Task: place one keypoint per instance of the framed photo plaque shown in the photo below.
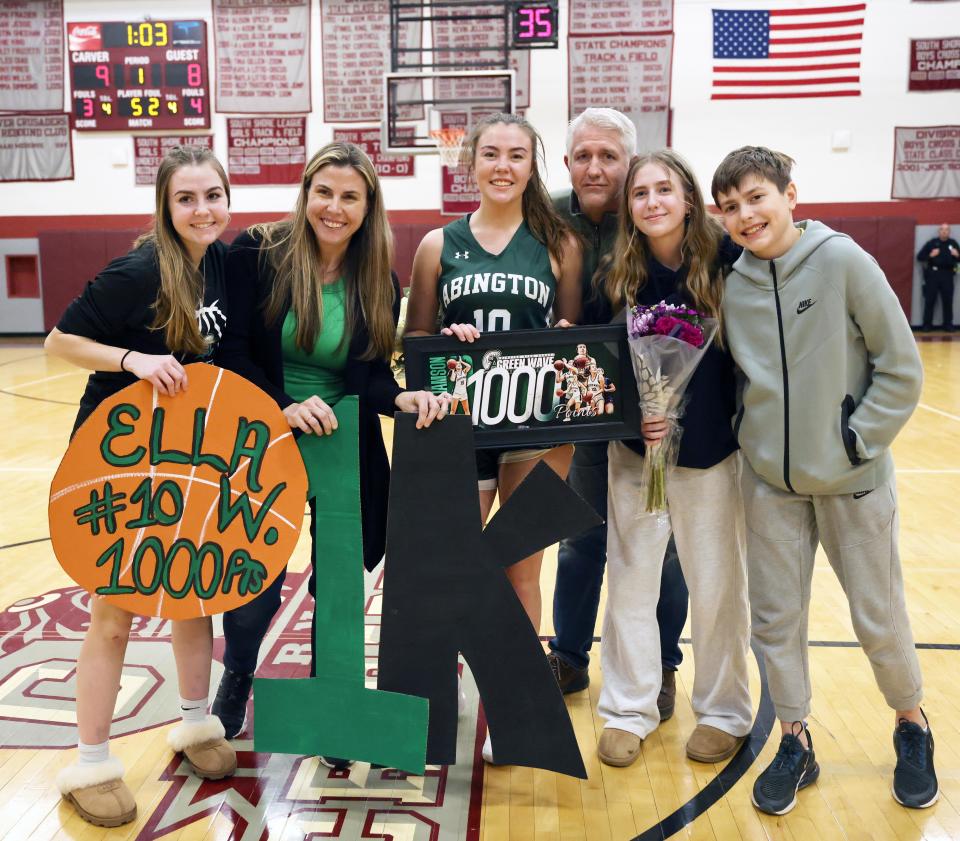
(531, 388)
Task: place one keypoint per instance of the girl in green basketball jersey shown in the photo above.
(510, 265)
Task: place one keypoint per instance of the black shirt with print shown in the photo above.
(117, 308)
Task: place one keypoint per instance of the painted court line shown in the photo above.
(938, 411)
(45, 380)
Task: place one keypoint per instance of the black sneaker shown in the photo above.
(569, 678)
(793, 768)
(230, 705)
(914, 780)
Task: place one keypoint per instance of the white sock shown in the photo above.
(193, 712)
(93, 754)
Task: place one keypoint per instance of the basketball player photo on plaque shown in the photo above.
(533, 387)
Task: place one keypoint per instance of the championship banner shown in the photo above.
(356, 53)
(368, 139)
(181, 506)
(449, 34)
(934, 64)
(31, 46)
(531, 387)
(926, 163)
(588, 17)
(262, 56)
(149, 151)
(266, 150)
(628, 72)
(35, 147)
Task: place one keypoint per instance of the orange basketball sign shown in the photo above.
(179, 506)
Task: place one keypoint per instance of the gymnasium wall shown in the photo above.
(849, 184)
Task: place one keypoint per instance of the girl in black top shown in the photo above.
(143, 317)
(313, 315)
(669, 248)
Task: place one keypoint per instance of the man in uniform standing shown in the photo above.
(939, 256)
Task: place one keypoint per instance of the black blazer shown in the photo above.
(252, 348)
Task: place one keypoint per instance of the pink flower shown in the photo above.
(665, 325)
(691, 334)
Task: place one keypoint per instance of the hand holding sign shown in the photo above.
(179, 506)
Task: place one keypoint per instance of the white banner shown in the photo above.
(262, 56)
(628, 72)
(591, 17)
(35, 147)
(356, 54)
(31, 49)
(926, 163)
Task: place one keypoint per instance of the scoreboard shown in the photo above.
(139, 75)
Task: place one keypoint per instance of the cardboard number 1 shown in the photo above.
(334, 714)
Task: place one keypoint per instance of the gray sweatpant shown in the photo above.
(859, 535)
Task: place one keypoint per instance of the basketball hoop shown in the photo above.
(449, 143)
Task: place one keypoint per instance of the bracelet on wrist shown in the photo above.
(124, 359)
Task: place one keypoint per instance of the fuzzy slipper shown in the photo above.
(202, 744)
(98, 792)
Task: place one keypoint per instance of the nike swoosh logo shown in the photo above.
(861, 494)
(802, 308)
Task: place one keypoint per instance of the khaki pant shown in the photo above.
(706, 517)
(859, 535)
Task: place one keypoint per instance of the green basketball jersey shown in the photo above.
(513, 290)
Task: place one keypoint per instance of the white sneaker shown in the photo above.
(487, 750)
(461, 697)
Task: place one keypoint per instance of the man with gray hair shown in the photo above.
(600, 145)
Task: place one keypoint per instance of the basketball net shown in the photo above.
(449, 143)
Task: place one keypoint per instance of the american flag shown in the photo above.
(787, 53)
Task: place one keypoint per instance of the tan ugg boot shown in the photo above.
(209, 755)
(98, 792)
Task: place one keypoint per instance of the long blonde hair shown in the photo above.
(627, 271)
(544, 222)
(181, 285)
(292, 251)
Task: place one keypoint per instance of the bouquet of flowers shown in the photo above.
(668, 341)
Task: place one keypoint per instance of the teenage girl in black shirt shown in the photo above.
(143, 317)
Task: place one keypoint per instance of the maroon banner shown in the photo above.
(459, 193)
(35, 147)
(262, 56)
(31, 55)
(368, 139)
(926, 162)
(139, 74)
(356, 53)
(934, 64)
(592, 17)
(148, 151)
(628, 72)
(266, 150)
(451, 35)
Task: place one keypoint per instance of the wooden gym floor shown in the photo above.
(662, 795)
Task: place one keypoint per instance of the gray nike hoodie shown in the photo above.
(828, 367)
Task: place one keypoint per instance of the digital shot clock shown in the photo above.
(534, 24)
(134, 75)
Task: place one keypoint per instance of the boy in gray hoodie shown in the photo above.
(829, 374)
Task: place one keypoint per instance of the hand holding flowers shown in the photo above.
(668, 342)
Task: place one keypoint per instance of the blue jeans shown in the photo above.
(580, 564)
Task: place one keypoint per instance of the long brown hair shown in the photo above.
(181, 285)
(544, 222)
(627, 269)
(292, 251)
